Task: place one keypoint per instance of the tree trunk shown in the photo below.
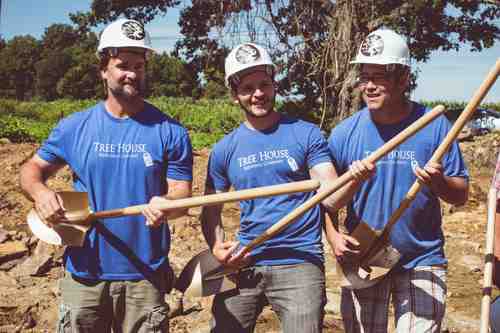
(339, 96)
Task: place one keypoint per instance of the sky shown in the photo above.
(449, 76)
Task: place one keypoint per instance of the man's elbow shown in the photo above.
(462, 199)
(462, 196)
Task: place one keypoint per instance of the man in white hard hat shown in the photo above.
(417, 284)
(122, 151)
(268, 148)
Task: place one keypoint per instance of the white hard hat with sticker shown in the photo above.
(124, 33)
(245, 56)
(383, 47)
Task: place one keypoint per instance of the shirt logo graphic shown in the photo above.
(133, 30)
(292, 163)
(373, 45)
(247, 54)
(148, 160)
(414, 165)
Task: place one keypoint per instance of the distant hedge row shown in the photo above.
(206, 120)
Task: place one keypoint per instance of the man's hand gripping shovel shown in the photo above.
(376, 256)
(205, 276)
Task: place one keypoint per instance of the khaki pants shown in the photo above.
(117, 306)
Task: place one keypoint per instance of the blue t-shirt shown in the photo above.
(119, 163)
(417, 235)
(247, 158)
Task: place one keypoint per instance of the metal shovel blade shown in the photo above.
(72, 231)
(366, 236)
(41, 230)
(76, 206)
(355, 276)
(58, 234)
(197, 279)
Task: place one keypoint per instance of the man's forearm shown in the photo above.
(341, 197)
(211, 225)
(32, 180)
(178, 190)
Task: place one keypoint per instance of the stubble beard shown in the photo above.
(120, 91)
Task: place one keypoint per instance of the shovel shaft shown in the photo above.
(489, 260)
(467, 112)
(342, 180)
(436, 157)
(218, 198)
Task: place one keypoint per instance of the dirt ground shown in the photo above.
(29, 303)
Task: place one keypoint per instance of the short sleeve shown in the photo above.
(335, 147)
(217, 177)
(453, 162)
(317, 148)
(180, 158)
(53, 150)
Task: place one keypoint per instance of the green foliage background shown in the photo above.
(207, 120)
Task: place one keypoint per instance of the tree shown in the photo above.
(169, 76)
(18, 59)
(49, 70)
(313, 41)
(81, 81)
(67, 64)
(58, 37)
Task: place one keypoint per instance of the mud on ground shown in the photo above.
(28, 278)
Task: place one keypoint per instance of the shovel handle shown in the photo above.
(436, 157)
(342, 180)
(469, 110)
(489, 260)
(218, 198)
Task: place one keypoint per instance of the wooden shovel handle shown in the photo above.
(218, 198)
(489, 260)
(342, 180)
(438, 155)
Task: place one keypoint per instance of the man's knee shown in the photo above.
(80, 319)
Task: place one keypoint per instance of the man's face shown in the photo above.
(380, 90)
(125, 75)
(255, 94)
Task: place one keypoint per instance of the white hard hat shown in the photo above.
(245, 56)
(124, 33)
(383, 47)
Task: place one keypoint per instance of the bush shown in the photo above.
(206, 120)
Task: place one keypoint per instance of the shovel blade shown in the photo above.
(354, 276)
(76, 205)
(196, 279)
(59, 234)
(366, 236)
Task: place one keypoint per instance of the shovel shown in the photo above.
(78, 216)
(203, 276)
(489, 261)
(376, 256)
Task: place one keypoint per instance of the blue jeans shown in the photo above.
(295, 292)
(122, 306)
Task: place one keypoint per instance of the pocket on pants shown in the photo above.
(64, 324)
(158, 319)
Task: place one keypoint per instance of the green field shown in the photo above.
(206, 120)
